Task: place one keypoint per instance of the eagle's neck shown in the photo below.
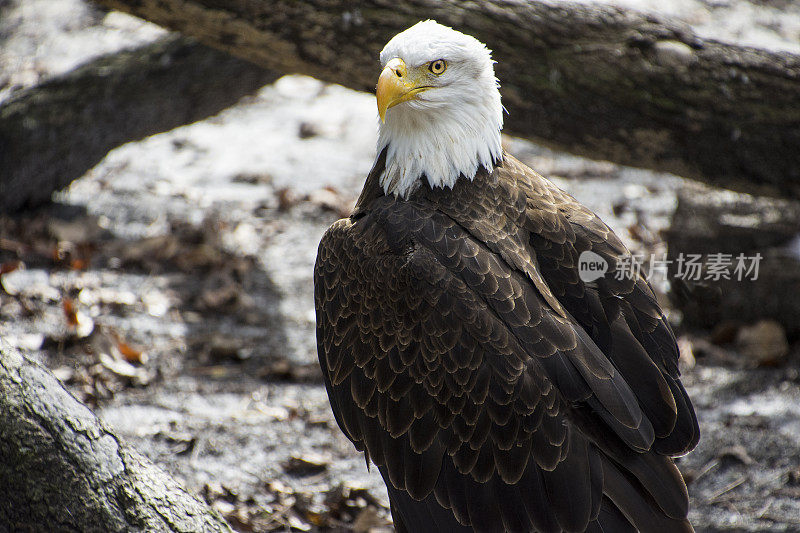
(440, 143)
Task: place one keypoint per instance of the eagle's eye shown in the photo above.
(438, 66)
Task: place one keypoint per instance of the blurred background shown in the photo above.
(170, 285)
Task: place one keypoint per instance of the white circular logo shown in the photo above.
(591, 266)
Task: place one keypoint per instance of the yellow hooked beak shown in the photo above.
(395, 87)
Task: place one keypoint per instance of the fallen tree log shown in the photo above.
(767, 230)
(593, 80)
(62, 470)
(53, 133)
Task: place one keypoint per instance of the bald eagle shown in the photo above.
(492, 387)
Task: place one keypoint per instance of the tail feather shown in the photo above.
(637, 504)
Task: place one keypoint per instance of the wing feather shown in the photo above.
(491, 386)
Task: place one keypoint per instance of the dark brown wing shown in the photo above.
(620, 313)
(471, 390)
(540, 231)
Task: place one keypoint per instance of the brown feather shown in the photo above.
(493, 388)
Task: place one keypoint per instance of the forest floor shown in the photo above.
(170, 288)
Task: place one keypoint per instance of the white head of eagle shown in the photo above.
(440, 109)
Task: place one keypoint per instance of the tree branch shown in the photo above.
(53, 133)
(62, 470)
(594, 80)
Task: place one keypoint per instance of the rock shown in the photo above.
(369, 520)
(735, 454)
(307, 130)
(720, 227)
(81, 230)
(686, 359)
(330, 199)
(763, 342)
(287, 198)
(306, 465)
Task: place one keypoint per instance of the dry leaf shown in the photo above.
(286, 198)
(130, 354)
(9, 266)
(70, 313)
(78, 264)
(78, 322)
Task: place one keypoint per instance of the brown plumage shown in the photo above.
(493, 388)
(490, 385)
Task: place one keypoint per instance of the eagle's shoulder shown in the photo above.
(551, 212)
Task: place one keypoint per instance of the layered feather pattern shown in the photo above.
(493, 389)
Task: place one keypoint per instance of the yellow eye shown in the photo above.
(438, 66)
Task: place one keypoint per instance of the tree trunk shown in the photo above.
(53, 133)
(594, 80)
(62, 470)
(719, 222)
